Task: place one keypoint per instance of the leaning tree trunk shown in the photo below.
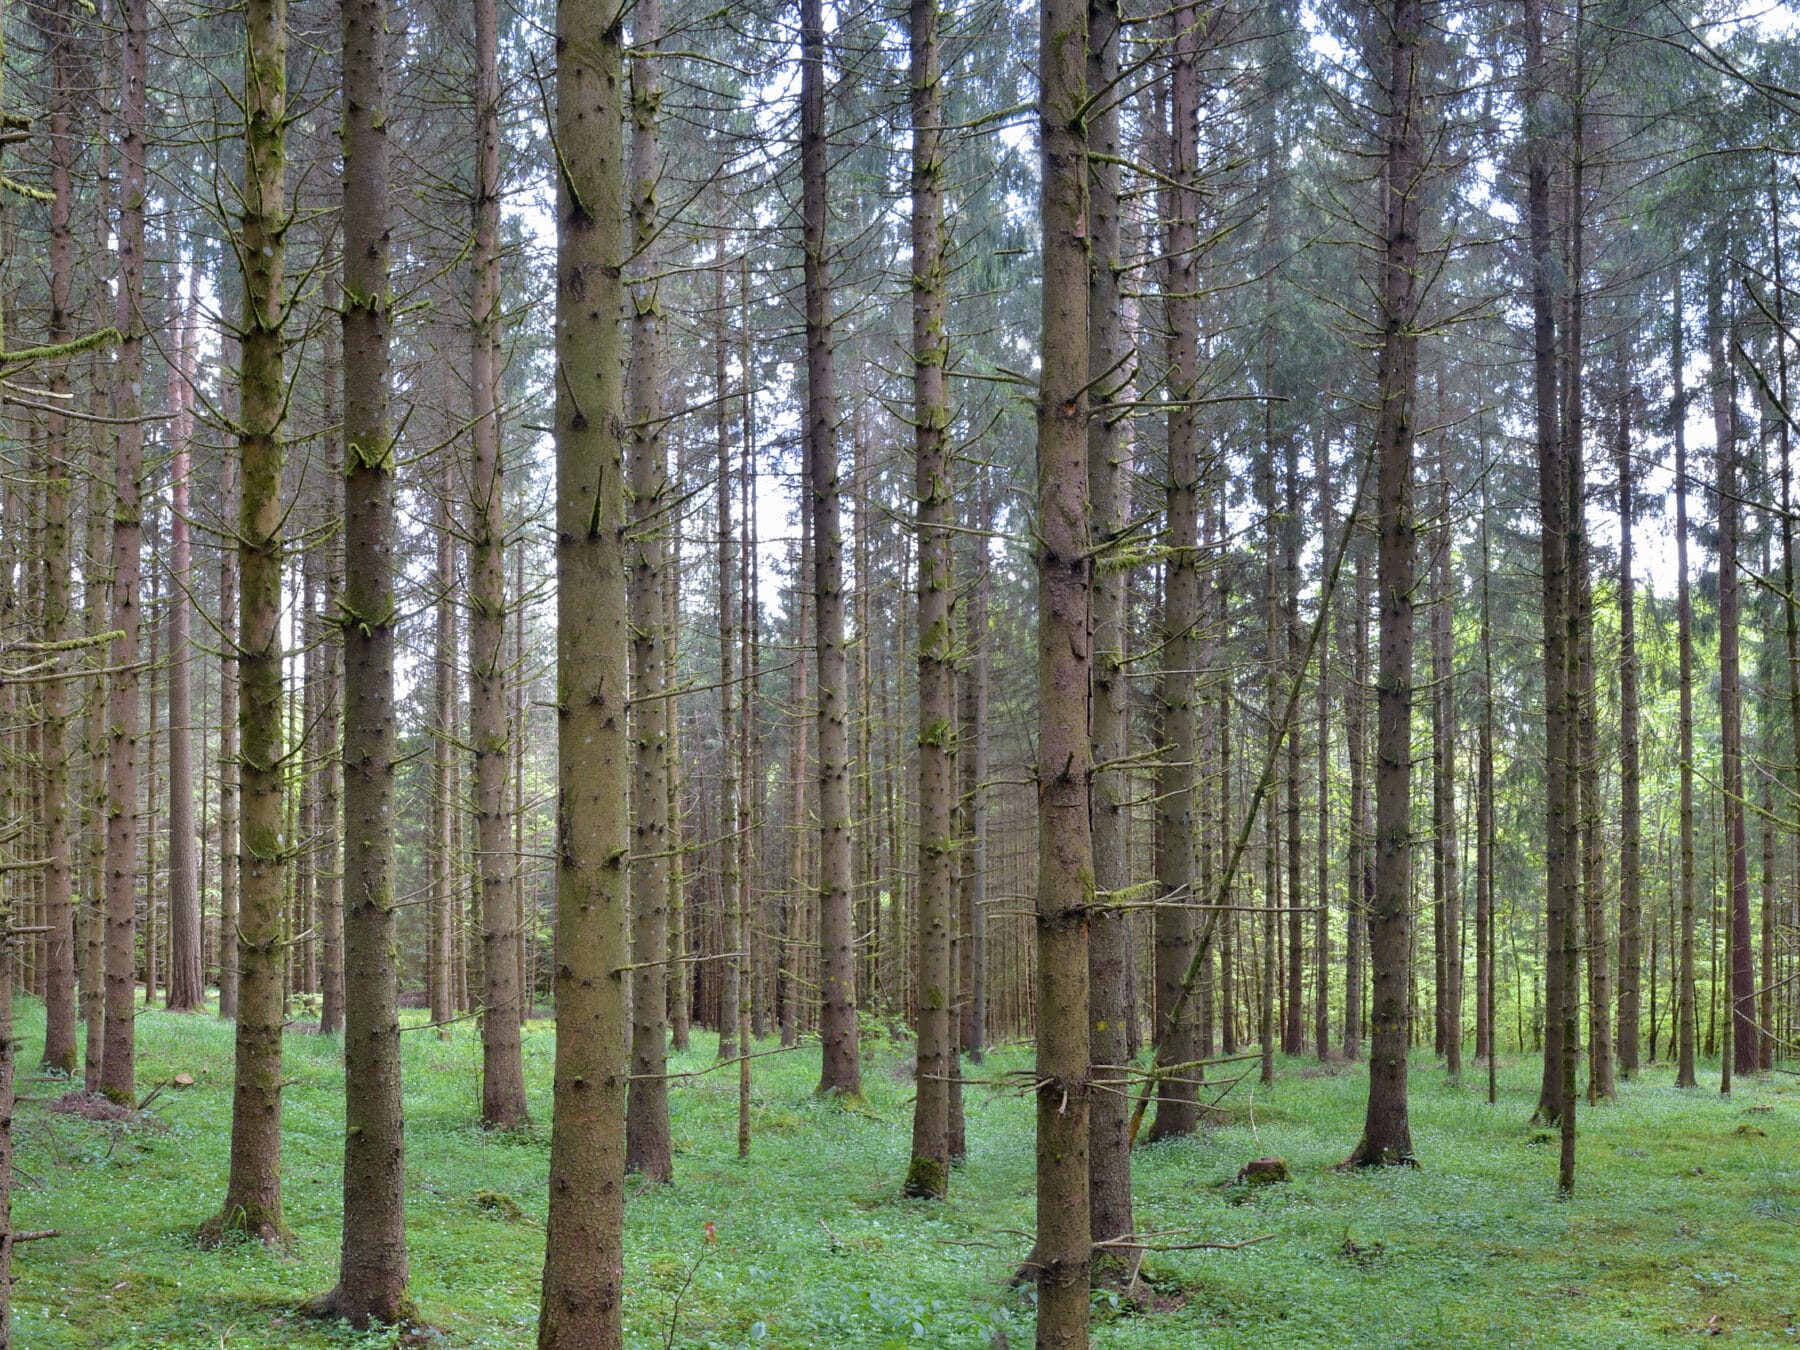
(372, 1271)
(648, 1149)
(118, 1071)
(584, 1271)
(1387, 1131)
(841, 1064)
(1065, 880)
(502, 1063)
(929, 1172)
(254, 953)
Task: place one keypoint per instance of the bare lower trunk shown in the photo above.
(584, 1238)
(372, 1272)
(118, 1066)
(1065, 885)
(841, 1068)
(648, 1150)
(255, 952)
(1387, 1131)
(186, 975)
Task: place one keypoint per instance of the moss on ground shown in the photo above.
(1682, 1226)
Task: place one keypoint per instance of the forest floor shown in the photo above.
(1683, 1225)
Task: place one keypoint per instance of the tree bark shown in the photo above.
(1631, 914)
(372, 1272)
(928, 1174)
(841, 1066)
(502, 1062)
(253, 1186)
(584, 1238)
(60, 1054)
(1065, 881)
(1684, 610)
(186, 975)
(118, 1065)
(648, 1148)
(1387, 1132)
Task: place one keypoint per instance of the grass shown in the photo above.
(1681, 1227)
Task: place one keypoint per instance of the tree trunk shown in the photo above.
(60, 1055)
(1631, 914)
(1387, 1132)
(502, 1063)
(372, 1273)
(1176, 1094)
(1110, 952)
(973, 741)
(584, 1237)
(118, 1064)
(937, 1061)
(329, 874)
(648, 1149)
(186, 974)
(1686, 1012)
(1724, 411)
(1065, 881)
(841, 1067)
(256, 954)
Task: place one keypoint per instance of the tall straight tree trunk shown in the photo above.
(937, 1061)
(584, 1271)
(1724, 412)
(372, 1271)
(187, 975)
(1553, 505)
(502, 1062)
(1790, 608)
(97, 596)
(1443, 652)
(1110, 952)
(973, 743)
(1176, 1094)
(1484, 810)
(60, 1054)
(329, 872)
(440, 961)
(1358, 885)
(841, 1063)
(1293, 1034)
(1685, 1015)
(795, 889)
(1387, 1131)
(254, 950)
(648, 1150)
(1631, 914)
(118, 1070)
(1065, 876)
(731, 965)
(1322, 898)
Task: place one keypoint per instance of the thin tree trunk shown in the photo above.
(186, 974)
(502, 1062)
(441, 959)
(841, 1066)
(60, 1053)
(1685, 1002)
(1109, 934)
(329, 871)
(1631, 913)
(928, 1174)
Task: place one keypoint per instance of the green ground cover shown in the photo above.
(1684, 1225)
